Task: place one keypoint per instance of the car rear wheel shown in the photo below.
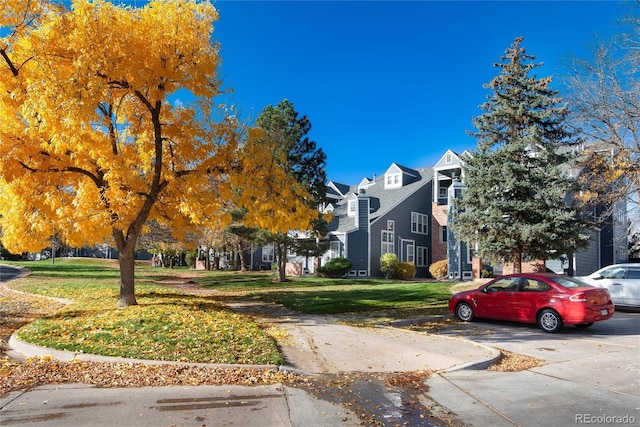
(583, 325)
(464, 312)
(550, 321)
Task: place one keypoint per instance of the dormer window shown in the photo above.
(393, 180)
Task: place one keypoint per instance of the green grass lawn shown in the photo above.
(341, 298)
(315, 295)
(169, 325)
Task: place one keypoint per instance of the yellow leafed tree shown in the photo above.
(91, 147)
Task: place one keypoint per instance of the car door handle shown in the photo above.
(616, 284)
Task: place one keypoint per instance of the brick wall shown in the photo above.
(439, 218)
(527, 267)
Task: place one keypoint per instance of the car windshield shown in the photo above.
(569, 282)
(613, 273)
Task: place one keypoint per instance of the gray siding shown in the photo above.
(358, 246)
(588, 261)
(420, 202)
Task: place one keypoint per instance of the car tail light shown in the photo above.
(581, 297)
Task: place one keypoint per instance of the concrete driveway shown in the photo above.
(590, 376)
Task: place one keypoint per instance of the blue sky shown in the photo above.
(400, 81)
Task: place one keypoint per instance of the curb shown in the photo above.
(476, 365)
(21, 350)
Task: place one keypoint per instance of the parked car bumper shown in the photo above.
(584, 314)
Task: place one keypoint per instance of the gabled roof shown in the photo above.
(408, 176)
(389, 198)
(365, 182)
(395, 168)
(454, 162)
(337, 188)
(381, 199)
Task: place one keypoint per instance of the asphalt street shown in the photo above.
(590, 376)
(9, 273)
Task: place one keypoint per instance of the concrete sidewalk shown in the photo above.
(318, 345)
(83, 405)
(315, 345)
(596, 382)
(325, 344)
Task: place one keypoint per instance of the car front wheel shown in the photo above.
(464, 312)
(550, 321)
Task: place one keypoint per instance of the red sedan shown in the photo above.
(550, 300)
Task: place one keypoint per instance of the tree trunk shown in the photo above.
(126, 260)
(243, 263)
(517, 262)
(571, 269)
(281, 253)
(207, 259)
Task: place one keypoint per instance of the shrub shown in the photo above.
(190, 258)
(337, 267)
(439, 269)
(405, 271)
(388, 264)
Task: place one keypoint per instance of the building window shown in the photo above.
(387, 242)
(390, 225)
(334, 250)
(267, 253)
(443, 191)
(352, 207)
(448, 158)
(419, 223)
(422, 256)
(393, 180)
(410, 255)
(443, 234)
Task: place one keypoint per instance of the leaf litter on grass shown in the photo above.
(45, 370)
(18, 309)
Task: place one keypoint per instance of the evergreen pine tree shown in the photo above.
(518, 205)
(287, 133)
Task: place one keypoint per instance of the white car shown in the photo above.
(622, 281)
